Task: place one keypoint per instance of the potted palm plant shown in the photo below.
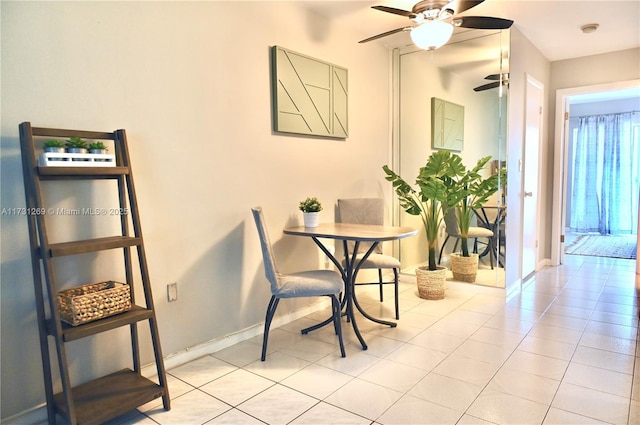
(467, 190)
(428, 201)
(310, 208)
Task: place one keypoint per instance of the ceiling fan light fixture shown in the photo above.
(431, 34)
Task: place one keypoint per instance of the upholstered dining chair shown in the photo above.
(453, 231)
(370, 211)
(310, 283)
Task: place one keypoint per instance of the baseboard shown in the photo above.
(218, 344)
(35, 416)
(544, 263)
(38, 415)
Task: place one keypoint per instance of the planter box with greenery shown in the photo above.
(73, 153)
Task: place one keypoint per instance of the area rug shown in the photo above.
(622, 246)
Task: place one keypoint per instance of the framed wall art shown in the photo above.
(310, 96)
(447, 125)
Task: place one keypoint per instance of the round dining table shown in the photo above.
(359, 234)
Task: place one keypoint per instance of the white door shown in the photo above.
(530, 182)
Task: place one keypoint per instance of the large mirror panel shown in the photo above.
(451, 73)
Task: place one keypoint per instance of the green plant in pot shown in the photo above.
(76, 145)
(310, 208)
(53, 145)
(427, 200)
(467, 190)
(97, 147)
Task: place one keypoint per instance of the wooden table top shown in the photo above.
(353, 232)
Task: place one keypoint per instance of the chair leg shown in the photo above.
(335, 304)
(271, 310)
(442, 249)
(395, 279)
(380, 280)
(492, 245)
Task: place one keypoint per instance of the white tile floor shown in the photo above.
(564, 351)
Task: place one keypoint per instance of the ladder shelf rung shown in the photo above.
(92, 245)
(71, 333)
(105, 398)
(81, 173)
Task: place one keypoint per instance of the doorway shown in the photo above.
(564, 100)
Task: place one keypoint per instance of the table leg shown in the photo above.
(350, 261)
(349, 273)
(353, 280)
(347, 302)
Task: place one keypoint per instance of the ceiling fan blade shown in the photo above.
(491, 85)
(487, 86)
(496, 77)
(461, 5)
(483, 22)
(395, 11)
(384, 34)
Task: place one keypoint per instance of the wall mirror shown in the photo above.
(470, 71)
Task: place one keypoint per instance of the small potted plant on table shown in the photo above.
(310, 208)
(428, 202)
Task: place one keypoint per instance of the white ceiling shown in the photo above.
(552, 26)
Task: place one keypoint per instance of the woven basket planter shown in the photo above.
(464, 269)
(94, 301)
(431, 282)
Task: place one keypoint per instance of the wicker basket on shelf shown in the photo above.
(93, 301)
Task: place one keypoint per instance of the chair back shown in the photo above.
(451, 223)
(362, 211)
(270, 268)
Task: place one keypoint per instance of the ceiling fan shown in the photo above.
(434, 20)
(498, 80)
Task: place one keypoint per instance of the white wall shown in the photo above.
(525, 60)
(189, 81)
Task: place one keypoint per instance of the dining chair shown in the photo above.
(370, 211)
(453, 231)
(309, 283)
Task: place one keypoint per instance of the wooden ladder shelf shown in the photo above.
(108, 396)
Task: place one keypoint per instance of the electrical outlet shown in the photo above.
(172, 291)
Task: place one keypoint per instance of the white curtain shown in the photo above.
(605, 185)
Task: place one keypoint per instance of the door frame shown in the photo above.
(563, 97)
